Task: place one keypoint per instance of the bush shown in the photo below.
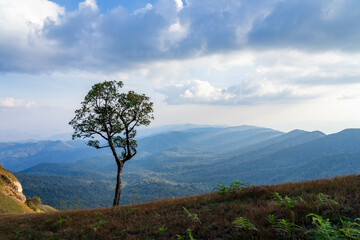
(33, 203)
(234, 186)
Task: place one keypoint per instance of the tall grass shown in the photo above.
(221, 216)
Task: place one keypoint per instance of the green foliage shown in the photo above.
(179, 237)
(324, 229)
(17, 234)
(284, 202)
(98, 224)
(234, 186)
(193, 216)
(60, 221)
(276, 196)
(189, 232)
(287, 227)
(244, 223)
(112, 115)
(162, 229)
(33, 203)
(351, 229)
(221, 188)
(290, 202)
(271, 218)
(325, 200)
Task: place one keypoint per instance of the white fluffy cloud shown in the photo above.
(10, 102)
(22, 47)
(248, 92)
(40, 36)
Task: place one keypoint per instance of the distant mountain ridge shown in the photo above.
(195, 159)
(19, 156)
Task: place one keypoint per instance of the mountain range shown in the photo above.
(179, 163)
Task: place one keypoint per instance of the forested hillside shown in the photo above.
(180, 163)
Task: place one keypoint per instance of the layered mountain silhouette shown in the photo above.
(183, 162)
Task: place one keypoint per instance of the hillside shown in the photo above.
(11, 198)
(251, 213)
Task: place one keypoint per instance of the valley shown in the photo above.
(179, 163)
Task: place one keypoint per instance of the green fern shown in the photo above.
(287, 227)
(324, 229)
(271, 218)
(244, 223)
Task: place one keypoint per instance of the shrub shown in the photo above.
(33, 203)
(242, 222)
(234, 186)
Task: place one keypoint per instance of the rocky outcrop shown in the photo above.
(10, 186)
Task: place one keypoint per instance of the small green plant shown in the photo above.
(162, 229)
(325, 200)
(234, 186)
(17, 234)
(351, 229)
(284, 201)
(189, 232)
(271, 218)
(324, 228)
(221, 188)
(179, 237)
(277, 197)
(59, 222)
(244, 223)
(193, 216)
(98, 224)
(290, 202)
(287, 227)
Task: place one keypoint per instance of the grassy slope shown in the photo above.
(216, 213)
(9, 204)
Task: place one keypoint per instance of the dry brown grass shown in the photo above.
(216, 213)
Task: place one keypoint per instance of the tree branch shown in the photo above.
(98, 147)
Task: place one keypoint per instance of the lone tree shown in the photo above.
(112, 115)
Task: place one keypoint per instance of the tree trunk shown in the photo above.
(118, 184)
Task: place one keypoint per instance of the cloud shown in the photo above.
(88, 4)
(10, 102)
(309, 25)
(86, 39)
(246, 93)
(22, 48)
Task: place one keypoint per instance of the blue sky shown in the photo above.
(280, 64)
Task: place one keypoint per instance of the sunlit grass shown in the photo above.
(207, 216)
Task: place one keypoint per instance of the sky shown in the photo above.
(286, 65)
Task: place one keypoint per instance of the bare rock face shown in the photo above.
(10, 185)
